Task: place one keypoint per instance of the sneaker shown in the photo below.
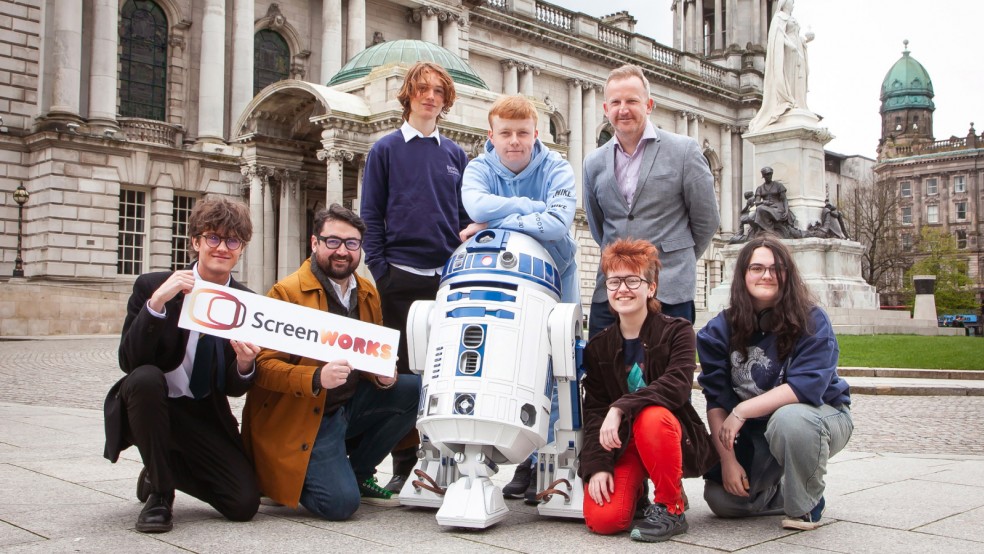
(395, 484)
(529, 497)
(520, 481)
(659, 525)
(374, 495)
(806, 522)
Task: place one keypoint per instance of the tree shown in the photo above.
(937, 254)
(873, 212)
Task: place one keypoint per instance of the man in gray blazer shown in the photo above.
(648, 184)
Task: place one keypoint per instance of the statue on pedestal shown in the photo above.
(786, 68)
(771, 213)
(831, 224)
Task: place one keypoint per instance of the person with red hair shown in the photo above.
(638, 420)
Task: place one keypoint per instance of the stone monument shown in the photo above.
(788, 143)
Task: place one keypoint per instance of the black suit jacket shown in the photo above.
(149, 340)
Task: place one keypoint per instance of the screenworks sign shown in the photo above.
(235, 314)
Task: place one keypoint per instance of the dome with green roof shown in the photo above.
(907, 85)
(407, 52)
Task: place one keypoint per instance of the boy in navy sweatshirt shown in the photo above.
(411, 203)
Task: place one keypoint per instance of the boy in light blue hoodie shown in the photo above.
(520, 185)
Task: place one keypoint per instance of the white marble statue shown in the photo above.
(786, 69)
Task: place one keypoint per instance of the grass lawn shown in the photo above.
(912, 351)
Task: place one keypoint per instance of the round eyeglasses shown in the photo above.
(213, 241)
(758, 270)
(632, 282)
(335, 242)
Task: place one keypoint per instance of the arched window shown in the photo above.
(143, 61)
(271, 59)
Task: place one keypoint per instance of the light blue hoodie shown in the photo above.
(539, 202)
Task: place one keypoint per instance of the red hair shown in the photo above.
(514, 107)
(639, 256)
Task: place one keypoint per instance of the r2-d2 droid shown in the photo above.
(489, 350)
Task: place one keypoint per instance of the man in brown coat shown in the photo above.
(301, 413)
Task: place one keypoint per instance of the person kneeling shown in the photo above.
(301, 413)
(638, 419)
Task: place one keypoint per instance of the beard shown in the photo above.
(338, 268)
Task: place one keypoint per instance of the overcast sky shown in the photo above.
(857, 42)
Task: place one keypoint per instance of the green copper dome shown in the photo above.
(407, 52)
(907, 85)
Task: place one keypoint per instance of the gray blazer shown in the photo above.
(674, 207)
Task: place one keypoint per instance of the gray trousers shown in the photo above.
(789, 478)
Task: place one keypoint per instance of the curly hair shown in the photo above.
(220, 215)
(789, 319)
(634, 255)
(415, 79)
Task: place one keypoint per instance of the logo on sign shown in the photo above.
(217, 309)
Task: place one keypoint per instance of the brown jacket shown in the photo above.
(668, 368)
(282, 413)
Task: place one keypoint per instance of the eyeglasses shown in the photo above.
(335, 242)
(758, 270)
(632, 282)
(213, 241)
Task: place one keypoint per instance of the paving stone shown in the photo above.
(906, 504)
(854, 538)
(960, 526)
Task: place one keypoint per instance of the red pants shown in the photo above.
(653, 451)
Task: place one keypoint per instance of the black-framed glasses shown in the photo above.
(758, 270)
(213, 241)
(632, 282)
(334, 242)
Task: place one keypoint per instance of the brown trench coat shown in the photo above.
(282, 413)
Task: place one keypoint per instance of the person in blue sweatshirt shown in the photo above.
(775, 404)
(411, 204)
(520, 185)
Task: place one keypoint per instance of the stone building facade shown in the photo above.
(119, 114)
(940, 183)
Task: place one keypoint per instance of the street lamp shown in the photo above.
(20, 196)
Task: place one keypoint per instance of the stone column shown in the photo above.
(727, 185)
(764, 24)
(356, 40)
(269, 237)
(699, 26)
(429, 27)
(588, 118)
(678, 26)
(67, 59)
(211, 82)
(694, 125)
(256, 178)
(732, 28)
(510, 77)
(574, 146)
(449, 32)
(681, 123)
(242, 60)
(334, 159)
(103, 78)
(289, 237)
(757, 22)
(718, 22)
(331, 39)
(526, 79)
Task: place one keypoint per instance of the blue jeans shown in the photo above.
(380, 418)
(602, 317)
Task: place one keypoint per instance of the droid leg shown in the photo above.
(430, 477)
(559, 488)
(473, 500)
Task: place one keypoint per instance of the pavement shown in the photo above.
(911, 480)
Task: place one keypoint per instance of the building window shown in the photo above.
(132, 232)
(960, 184)
(931, 186)
(961, 209)
(905, 189)
(932, 214)
(907, 242)
(271, 59)
(180, 245)
(961, 239)
(907, 215)
(143, 60)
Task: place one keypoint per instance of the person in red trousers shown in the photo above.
(638, 420)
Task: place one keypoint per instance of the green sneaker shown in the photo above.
(374, 495)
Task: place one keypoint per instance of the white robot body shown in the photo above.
(486, 358)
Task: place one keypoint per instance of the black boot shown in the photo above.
(143, 485)
(520, 481)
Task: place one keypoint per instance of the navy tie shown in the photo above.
(208, 353)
